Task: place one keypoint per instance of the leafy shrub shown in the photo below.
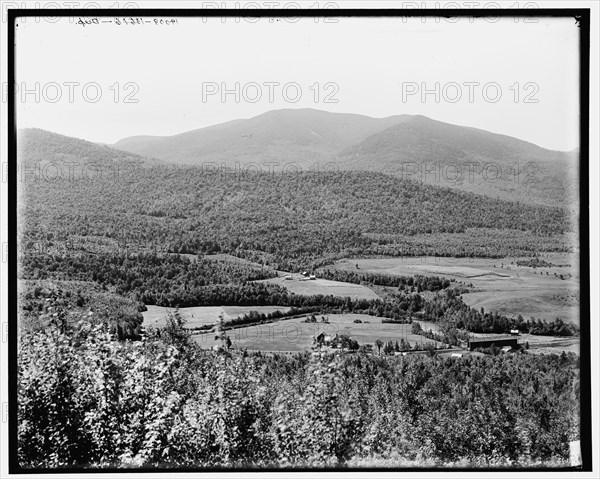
(86, 399)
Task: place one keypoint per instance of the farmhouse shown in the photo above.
(498, 341)
(323, 339)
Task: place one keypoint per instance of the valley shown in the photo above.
(357, 274)
(314, 239)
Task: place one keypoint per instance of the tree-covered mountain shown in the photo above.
(411, 146)
(303, 136)
(469, 159)
(284, 220)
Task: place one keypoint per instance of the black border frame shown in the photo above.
(580, 15)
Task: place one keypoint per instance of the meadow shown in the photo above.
(297, 335)
(499, 284)
(323, 286)
(194, 317)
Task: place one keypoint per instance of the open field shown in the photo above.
(550, 344)
(501, 286)
(202, 315)
(296, 335)
(527, 302)
(323, 286)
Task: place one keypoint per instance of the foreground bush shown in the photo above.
(86, 399)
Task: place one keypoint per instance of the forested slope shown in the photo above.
(289, 220)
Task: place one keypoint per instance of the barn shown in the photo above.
(498, 341)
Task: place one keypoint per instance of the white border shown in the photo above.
(594, 234)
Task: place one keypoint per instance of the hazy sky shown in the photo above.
(372, 66)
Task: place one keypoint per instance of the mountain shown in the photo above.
(287, 219)
(469, 159)
(410, 146)
(302, 136)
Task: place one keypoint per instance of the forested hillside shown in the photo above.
(132, 235)
(151, 234)
(288, 221)
(35, 145)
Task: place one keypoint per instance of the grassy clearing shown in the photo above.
(202, 315)
(296, 335)
(501, 286)
(325, 287)
(526, 302)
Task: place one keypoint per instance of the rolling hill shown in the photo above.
(303, 136)
(410, 146)
(40, 146)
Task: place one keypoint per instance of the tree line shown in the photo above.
(417, 282)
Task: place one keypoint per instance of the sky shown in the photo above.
(104, 82)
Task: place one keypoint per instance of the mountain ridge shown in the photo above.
(480, 161)
(412, 146)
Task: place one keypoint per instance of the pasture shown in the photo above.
(298, 285)
(500, 285)
(296, 335)
(202, 315)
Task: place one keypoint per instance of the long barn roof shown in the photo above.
(491, 338)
